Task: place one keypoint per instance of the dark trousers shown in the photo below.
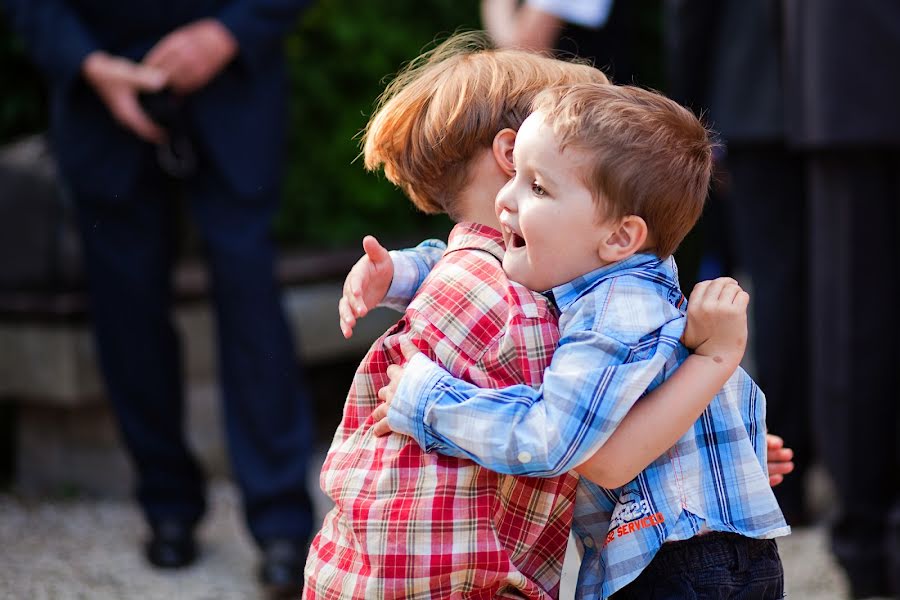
(129, 250)
(714, 566)
(855, 321)
(767, 208)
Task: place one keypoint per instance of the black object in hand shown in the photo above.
(176, 155)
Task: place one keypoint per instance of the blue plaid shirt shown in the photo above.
(620, 328)
(411, 267)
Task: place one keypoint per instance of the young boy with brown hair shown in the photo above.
(608, 181)
(407, 524)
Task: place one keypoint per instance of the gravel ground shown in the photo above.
(79, 549)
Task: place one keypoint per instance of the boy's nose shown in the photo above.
(506, 218)
(505, 200)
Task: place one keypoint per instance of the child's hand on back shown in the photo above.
(366, 284)
(386, 394)
(717, 321)
(779, 459)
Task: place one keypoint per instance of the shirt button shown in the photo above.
(588, 542)
(524, 457)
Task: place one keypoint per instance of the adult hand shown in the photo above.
(499, 19)
(386, 394)
(717, 321)
(193, 54)
(366, 284)
(118, 81)
(780, 459)
(514, 26)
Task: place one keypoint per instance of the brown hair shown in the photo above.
(648, 155)
(448, 104)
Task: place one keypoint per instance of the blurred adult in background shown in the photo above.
(724, 59)
(843, 89)
(805, 94)
(211, 73)
(597, 30)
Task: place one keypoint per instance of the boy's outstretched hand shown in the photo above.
(717, 321)
(366, 284)
(780, 459)
(386, 394)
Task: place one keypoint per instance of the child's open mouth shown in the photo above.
(514, 240)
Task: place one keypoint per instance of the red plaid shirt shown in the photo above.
(407, 524)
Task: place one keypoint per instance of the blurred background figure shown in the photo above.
(155, 104)
(597, 30)
(804, 96)
(724, 60)
(843, 89)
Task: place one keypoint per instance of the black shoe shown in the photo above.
(171, 545)
(281, 572)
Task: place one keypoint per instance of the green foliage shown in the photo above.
(341, 56)
(23, 99)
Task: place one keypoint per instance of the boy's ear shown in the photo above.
(503, 145)
(626, 238)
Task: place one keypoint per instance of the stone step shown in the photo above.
(66, 440)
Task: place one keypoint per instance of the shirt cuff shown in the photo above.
(593, 14)
(407, 412)
(405, 282)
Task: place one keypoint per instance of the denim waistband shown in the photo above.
(711, 549)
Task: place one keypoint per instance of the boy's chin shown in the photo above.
(519, 275)
(512, 273)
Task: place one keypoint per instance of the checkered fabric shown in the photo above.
(407, 524)
(620, 329)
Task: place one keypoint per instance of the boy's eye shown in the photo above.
(537, 190)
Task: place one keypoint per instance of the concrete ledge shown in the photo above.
(63, 451)
(67, 441)
(54, 362)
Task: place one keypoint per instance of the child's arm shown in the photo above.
(660, 419)
(384, 278)
(716, 326)
(717, 330)
(588, 389)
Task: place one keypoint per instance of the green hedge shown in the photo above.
(23, 101)
(341, 56)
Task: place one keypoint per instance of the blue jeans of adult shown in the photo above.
(715, 566)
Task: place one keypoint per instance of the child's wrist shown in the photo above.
(724, 360)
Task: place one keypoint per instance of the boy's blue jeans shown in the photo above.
(710, 567)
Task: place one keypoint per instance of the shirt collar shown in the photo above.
(474, 236)
(571, 291)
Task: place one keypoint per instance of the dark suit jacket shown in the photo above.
(816, 73)
(843, 79)
(238, 119)
(724, 57)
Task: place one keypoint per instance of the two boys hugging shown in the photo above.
(596, 191)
